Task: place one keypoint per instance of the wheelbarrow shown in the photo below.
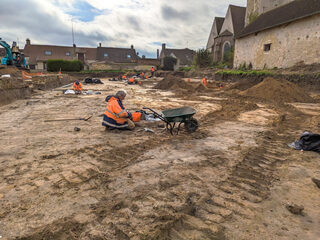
(178, 116)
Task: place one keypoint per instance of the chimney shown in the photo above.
(163, 46)
(157, 53)
(28, 42)
(99, 44)
(74, 45)
(131, 46)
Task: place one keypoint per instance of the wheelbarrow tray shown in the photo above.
(178, 114)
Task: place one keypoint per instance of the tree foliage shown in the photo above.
(203, 58)
(55, 65)
(168, 63)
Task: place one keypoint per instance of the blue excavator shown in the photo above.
(13, 55)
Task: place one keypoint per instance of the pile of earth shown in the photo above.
(278, 90)
(11, 70)
(244, 84)
(178, 84)
(173, 83)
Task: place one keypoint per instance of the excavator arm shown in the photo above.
(8, 51)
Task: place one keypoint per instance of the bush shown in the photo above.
(247, 73)
(203, 58)
(168, 63)
(186, 69)
(67, 66)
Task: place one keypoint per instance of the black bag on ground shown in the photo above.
(308, 142)
(88, 80)
(97, 81)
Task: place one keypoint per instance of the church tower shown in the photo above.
(257, 7)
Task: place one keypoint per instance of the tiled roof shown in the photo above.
(238, 18)
(285, 14)
(117, 55)
(185, 55)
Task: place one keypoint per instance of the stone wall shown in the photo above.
(257, 7)
(291, 44)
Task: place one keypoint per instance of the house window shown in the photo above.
(67, 53)
(105, 55)
(129, 56)
(267, 47)
(48, 53)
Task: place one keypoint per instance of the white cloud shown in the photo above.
(143, 23)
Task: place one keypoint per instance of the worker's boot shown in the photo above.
(131, 125)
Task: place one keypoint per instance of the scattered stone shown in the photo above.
(316, 181)
(76, 129)
(295, 209)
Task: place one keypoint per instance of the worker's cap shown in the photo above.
(77, 82)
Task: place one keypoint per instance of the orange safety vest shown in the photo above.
(77, 87)
(152, 69)
(131, 80)
(124, 77)
(141, 74)
(116, 111)
(204, 82)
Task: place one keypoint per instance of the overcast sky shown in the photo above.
(115, 23)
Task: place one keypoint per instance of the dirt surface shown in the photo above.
(231, 179)
(278, 90)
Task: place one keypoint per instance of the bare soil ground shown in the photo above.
(231, 179)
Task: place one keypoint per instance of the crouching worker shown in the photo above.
(116, 116)
(77, 87)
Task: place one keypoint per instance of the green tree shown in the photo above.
(203, 58)
(168, 63)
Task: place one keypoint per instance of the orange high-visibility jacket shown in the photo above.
(77, 87)
(152, 69)
(115, 110)
(204, 82)
(131, 80)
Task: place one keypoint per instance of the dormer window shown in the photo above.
(48, 53)
(129, 56)
(67, 53)
(106, 55)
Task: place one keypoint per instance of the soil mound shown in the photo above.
(174, 83)
(244, 84)
(278, 90)
(201, 88)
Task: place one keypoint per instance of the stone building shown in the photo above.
(222, 36)
(184, 56)
(282, 34)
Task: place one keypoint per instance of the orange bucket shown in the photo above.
(136, 116)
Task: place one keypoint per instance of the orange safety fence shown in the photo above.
(26, 75)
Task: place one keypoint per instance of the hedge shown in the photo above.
(55, 65)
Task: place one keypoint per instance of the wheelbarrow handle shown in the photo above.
(156, 114)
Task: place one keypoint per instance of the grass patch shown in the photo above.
(244, 72)
(185, 69)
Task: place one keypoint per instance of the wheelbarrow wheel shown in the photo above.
(191, 125)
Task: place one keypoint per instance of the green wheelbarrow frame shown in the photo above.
(178, 115)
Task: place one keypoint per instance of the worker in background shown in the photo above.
(142, 75)
(131, 81)
(116, 116)
(204, 81)
(77, 87)
(152, 71)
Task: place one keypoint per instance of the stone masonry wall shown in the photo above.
(291, 44)
(257, 7)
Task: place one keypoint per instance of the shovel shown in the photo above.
(68, 119)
